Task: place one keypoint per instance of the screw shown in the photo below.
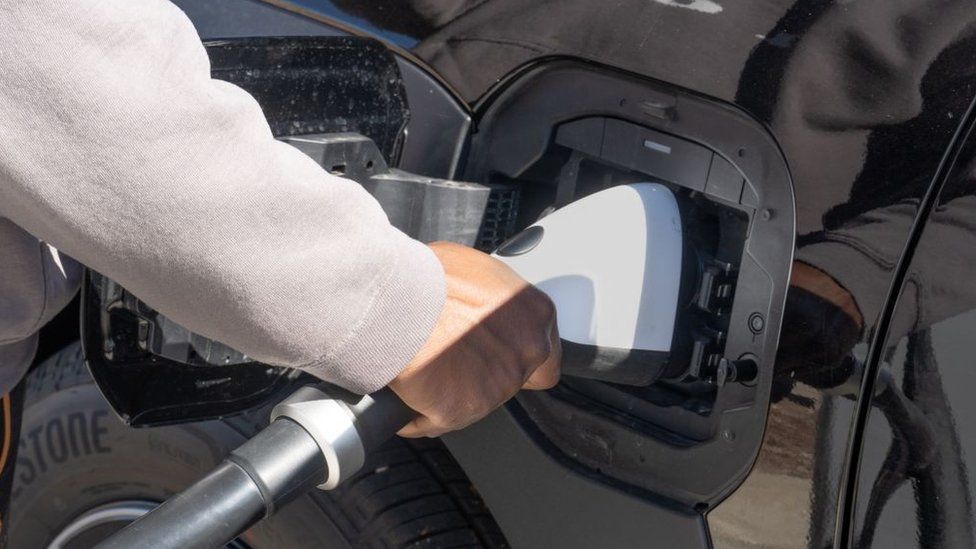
(728, 435)
(766, 214)
(756, 323)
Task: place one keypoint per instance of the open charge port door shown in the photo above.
(684, 427)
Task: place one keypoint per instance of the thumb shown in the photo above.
(421, 427)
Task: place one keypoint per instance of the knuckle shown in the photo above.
(442, 419)
(457, 415)
(543, 307)
(508, 357)
(537, 351)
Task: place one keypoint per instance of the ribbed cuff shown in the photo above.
(396, 324)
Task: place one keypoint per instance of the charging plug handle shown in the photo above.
(297, 452)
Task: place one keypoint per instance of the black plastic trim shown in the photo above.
(514, 132)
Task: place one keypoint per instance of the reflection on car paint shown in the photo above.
(919, 443)
(703, 6)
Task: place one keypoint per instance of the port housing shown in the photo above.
(564, 130)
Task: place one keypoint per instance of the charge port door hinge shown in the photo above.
(425, 208)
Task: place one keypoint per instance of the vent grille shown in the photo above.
(500, 218)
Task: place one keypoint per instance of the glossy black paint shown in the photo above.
(914, 485)
(864, 98)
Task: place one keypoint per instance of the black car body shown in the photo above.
(846, 126)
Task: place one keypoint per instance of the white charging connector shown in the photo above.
(611, 262)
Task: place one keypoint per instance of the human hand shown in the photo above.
(821, 325)
(496, 335)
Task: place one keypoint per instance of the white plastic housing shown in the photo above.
(611, 262)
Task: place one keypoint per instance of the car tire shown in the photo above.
(78, 460)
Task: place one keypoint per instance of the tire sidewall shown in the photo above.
(76, 454)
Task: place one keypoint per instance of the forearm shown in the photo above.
(119, 149)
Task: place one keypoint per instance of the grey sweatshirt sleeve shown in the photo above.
(117, 148)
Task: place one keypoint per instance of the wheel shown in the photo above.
(81, 474)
